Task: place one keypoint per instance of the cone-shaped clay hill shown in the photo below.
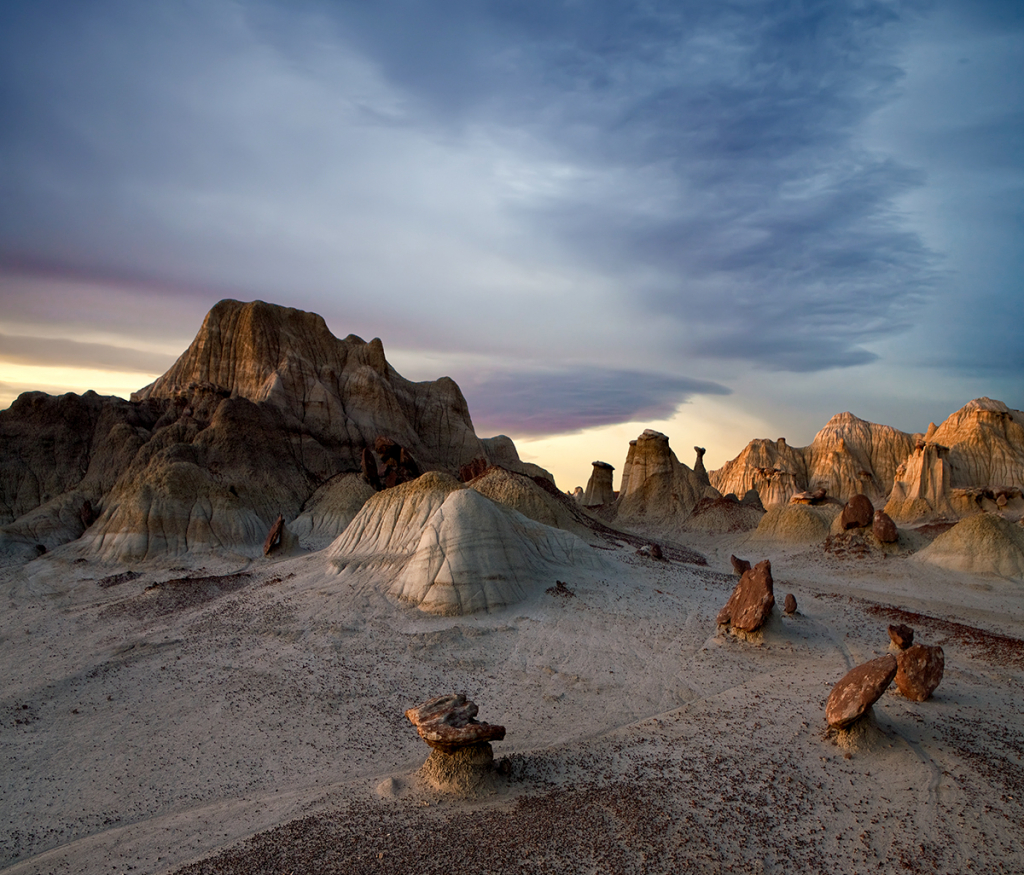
(263, 409)
(447, 549)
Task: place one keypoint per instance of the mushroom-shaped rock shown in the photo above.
(751, 601)
(600, 489)
(698, 466)
(902, 635)
(858, 690)
(858, 512)
(789, 605)
(883, 528)
(448, 723)
(919, 670)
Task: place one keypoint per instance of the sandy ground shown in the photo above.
(249, 718)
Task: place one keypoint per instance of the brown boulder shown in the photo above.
(858, 690)
(902, 635)
(919, 670)
(448, 723)
(751, 601)
(883, 528)
(858, 512)
(790, 603)
(739, 565)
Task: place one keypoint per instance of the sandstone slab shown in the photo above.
(751, 601)
(858, 690)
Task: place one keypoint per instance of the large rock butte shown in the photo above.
(264, 408)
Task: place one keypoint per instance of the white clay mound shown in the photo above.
(450, 550)
(981, 544)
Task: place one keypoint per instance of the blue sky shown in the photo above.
(730, 219)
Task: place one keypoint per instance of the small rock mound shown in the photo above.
(981, 544)
(797, 523)
(721, 515)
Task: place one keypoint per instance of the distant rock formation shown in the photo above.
(599, 488)
(658, 492)
(447, 549)
(797, 523)
(262, 409)
(921, 490)
(849, 455)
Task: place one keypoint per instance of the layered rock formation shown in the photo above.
(848, 456)
(447, 549)
(981, 544)
(264, 408)
(658, 492)
(599, 488)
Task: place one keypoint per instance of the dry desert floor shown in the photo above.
(240, 716)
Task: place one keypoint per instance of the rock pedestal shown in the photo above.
(448, 723)
(858, 690)
(599, 488)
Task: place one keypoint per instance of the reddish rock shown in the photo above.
(790, 603)
(274, 535)
(448, 723)
(883, 528)
(739, 565)
(751, 601)
(919, 670)
(858, 690)
(902, 635)
(473, 470)
(858, 512)
(809, 497)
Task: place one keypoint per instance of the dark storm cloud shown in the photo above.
(705, 163)
(717, 148)
(558, 402)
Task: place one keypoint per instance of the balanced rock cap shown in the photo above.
(858, 690)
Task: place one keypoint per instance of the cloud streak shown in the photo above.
(531, 403)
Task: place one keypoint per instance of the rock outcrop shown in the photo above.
(901, 635)
(848, 456)
(262, 409)
(751, 601)
(447, 549)
(599, 488)
(658, 492)
(921, 491)
(858, 690)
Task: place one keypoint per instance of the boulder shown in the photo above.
(883, 528)
(919, 670)
(739, 566)
(858, 512)
(858, 690)
(274, 535)
(789, 605)
(751, 601)
(449, 722)
(902, 636)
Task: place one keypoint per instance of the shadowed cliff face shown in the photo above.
(262, 409)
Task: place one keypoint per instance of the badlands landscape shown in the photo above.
(222, 597)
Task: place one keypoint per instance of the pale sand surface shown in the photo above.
(256, 724)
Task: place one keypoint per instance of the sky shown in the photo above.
(723, 220)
